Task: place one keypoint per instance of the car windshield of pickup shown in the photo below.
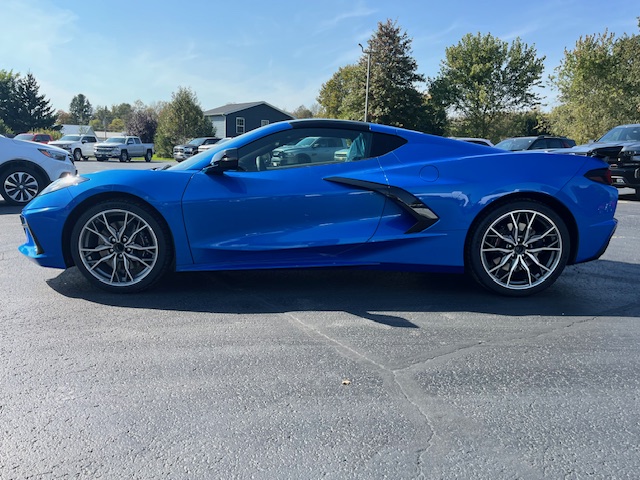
(116, 140)
(621, 134)
(70, 138)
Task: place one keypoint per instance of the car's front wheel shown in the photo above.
(518, 249)
(20, 184)
(121, 246)
(124, 156)
(77, 155)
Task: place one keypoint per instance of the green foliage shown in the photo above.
(8, 106)
(343, 85)
(4, 128)
(22, 108)
(599, 86)
(302, 112)
(393, 95)
(179, 121)
(116, 125)
(80, 110)
(482, 78)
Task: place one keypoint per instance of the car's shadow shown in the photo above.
(375, 295)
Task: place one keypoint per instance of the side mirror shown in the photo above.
(223, 161)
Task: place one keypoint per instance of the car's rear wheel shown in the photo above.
(148, 156)
(518, 249)
(20, 184)
(121, 246)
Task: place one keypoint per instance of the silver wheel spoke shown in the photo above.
(118, 247)
(521, 249)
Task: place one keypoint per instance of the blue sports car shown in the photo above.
(396, 199)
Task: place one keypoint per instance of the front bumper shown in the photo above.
(625, 176)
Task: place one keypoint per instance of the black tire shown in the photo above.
(148, 156)
(101, 159)
(112, 260)
(523, 263)
(301, 158)
(19, 184)
(124, 156)
(638, 193)
(77, 155)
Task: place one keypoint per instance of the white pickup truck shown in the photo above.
(79, 146)
(123, 148)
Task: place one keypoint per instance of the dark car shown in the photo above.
(620, 148)
(182, 152)
(541, 142)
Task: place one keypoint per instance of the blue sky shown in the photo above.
(280, 52)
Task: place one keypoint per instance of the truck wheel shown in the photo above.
(124, 156)
(148, 156)
(77, 155)
(638, 193)
(100, 159)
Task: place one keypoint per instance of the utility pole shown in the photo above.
(366, 88)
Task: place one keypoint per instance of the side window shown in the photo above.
(264, 122)
(539, 145)
(555, 143)
(296, 147)
(91, 140)
(240, 125)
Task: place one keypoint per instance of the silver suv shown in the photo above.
(308, 150)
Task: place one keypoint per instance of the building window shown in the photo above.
(239, 125)
(264, 122)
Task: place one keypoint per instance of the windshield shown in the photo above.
(621, 134)
(196, 141)
(305, 142)
(115, 140)
(71, 138)
(515, 144)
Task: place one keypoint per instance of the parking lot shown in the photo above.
(320, 373)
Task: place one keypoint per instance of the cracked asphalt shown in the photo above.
(320, 374)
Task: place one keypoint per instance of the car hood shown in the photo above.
(58, 142)
(604, 148)
(105, 144)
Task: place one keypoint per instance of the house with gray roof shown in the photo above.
(234, 119)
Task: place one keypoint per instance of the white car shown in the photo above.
(26, 168)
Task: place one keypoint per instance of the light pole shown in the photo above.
(366, 88)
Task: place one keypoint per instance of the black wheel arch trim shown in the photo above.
(424, 216)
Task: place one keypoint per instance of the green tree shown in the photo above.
(8, 101)
(302, 112)
(598, 85)
(484, 78)
(34, 111)
(394, 98)
(338, 88)
(80, 110)
(116, 125)
(180, 120)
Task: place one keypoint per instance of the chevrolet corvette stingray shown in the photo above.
(396, 199)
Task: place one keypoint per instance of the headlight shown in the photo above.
(53, 154)
(64, 182)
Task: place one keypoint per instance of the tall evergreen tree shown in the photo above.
(80, 110)
(394, 98)
(8, 102)
(34, 111)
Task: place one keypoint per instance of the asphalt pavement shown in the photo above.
(312, 374)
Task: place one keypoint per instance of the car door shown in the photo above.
(281, 216)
